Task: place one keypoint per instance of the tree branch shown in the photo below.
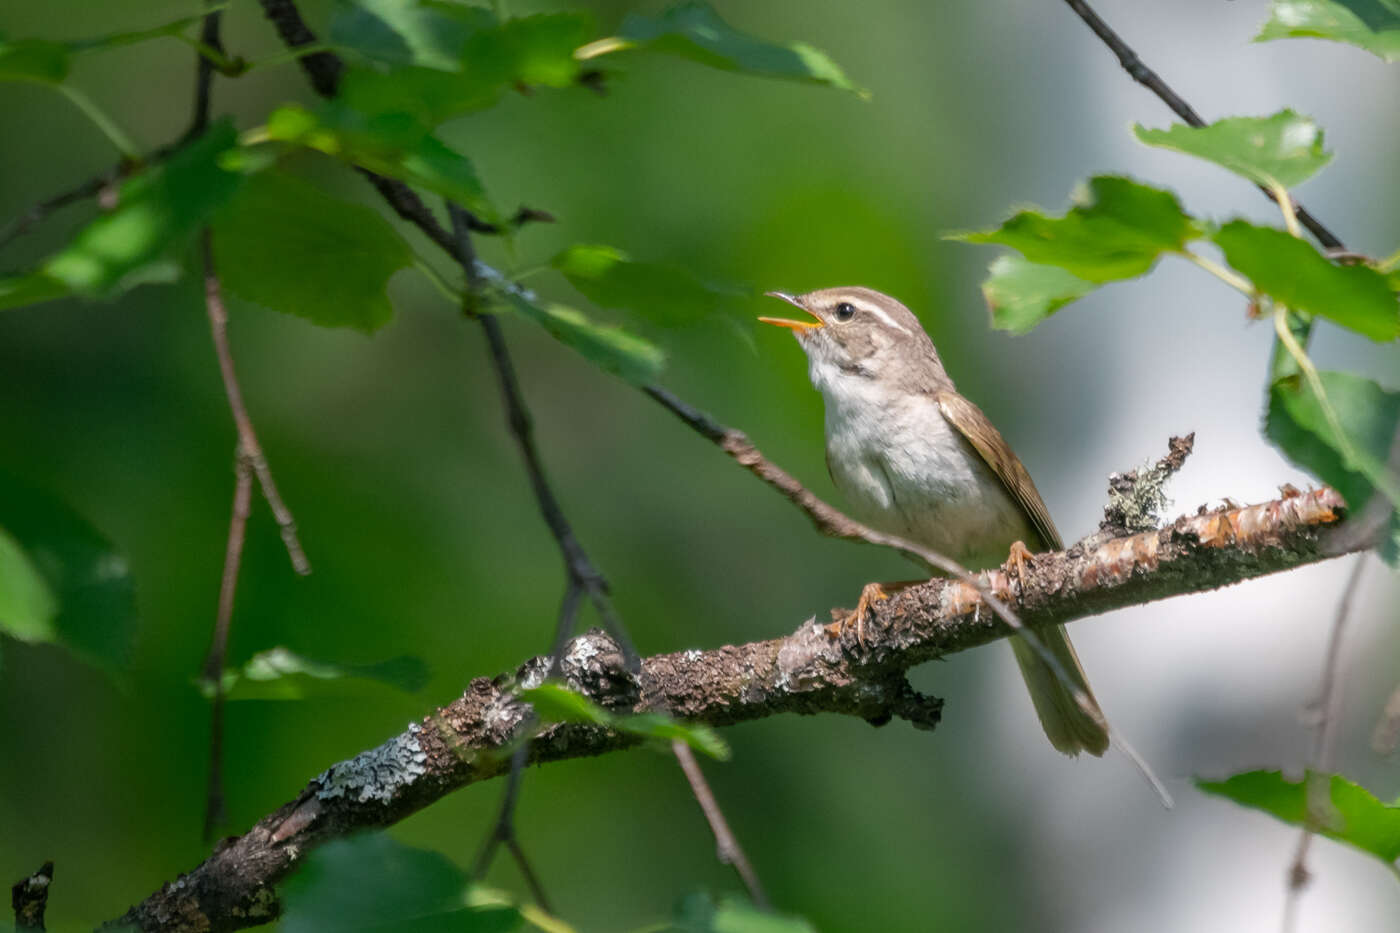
(806, 672)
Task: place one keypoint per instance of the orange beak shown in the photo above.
(797, 326)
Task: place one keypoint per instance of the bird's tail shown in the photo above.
(1070, 728)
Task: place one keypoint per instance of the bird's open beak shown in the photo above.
(798, 326)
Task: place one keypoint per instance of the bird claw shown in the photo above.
(1017, 561)
(872, 593)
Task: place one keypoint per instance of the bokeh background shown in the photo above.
(392, 452)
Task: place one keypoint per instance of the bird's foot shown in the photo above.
(870, 594)
(1017, 562)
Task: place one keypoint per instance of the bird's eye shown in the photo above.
(845, 311)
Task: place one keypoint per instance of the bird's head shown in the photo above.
(859, 333)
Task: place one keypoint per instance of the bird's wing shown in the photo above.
(988, 442)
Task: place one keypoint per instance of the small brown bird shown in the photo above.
(920, 461)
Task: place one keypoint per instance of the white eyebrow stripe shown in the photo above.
(882, 315)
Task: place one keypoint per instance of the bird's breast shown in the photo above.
(906, 471)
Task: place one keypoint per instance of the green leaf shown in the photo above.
(1285, 148)
(158, 210)
(371, 882)
(27, 603)
(1117, 230)
(698, 913)
(611, 348)
(30, 289)
(662, 292)
(1294, 273)
(280, 674)
(288, 246)
(61, 581)
(396, 145)
(408, 32)
(554, 702)
(661, 728)
(695, 31)
(1355, 816)
(436, 60)
(33, 60)
(1373, 25)
(1021, 293)
(1353, 465)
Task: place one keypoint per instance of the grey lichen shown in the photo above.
(379, 773)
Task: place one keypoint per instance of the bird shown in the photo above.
(916, 459)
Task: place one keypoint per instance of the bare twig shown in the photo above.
(1149, 79)
(726, 845)
(804, 672)
(29, 897)
(214, 812)
(577, 564)
(247, 437)
(1318, 780)
(503, 832)
(204, 74)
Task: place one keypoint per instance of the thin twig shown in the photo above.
(214, 812)
(1149, 79)
(577, 564)
(833, 523)
(503, 831)
(726, 845)
(1318, 779)
(247, 437)
(204, 74)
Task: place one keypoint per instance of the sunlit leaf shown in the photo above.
(1021, 293)
(158, 211)
(75, 589)
(1373, 25)
(662, 292)
(373, 883)
(33, 60)
(1294, 273)
(699, 913)
(611, 348)
(27, 603)
(694, 30)
(288, 246)
(281, 674)
(1117, 230)
(1285, 148)
(396, 145)
(1353, 464)
(1354, 815)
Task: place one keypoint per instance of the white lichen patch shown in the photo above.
(582, 650)
(379, 773)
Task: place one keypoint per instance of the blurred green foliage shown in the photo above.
(393, 453)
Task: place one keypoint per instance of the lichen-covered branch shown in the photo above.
(808, 671)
